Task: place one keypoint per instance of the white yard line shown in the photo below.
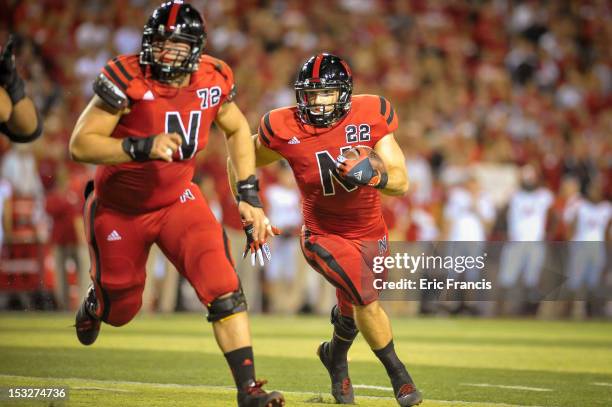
(367, 386)
(602, 384)
(453, 402)
(204, 386)
(501, 386)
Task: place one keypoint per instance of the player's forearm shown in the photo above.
(23, 120)
(231, 176)
(241, 152)
(97, 149)
(6, 107)
(398, 182)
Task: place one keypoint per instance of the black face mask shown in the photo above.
(529, 186)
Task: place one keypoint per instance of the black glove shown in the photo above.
(9, 79)
(359, 171)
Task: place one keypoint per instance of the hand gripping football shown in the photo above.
(361, 165)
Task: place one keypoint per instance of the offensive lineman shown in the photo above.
(149, 117)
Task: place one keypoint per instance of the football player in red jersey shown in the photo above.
(150, 115)
(344, 227)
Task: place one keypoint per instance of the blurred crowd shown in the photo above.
(505, 110)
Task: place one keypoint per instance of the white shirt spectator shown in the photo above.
(20, 170)
(591, 221)
(527, 215)
(284, 206)
(87, 68)
(420, 179)
(467, 218)
(426, 225)
(90, 34)
(127, 40)
(569, 96)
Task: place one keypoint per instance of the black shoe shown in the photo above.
(342, 388)
(408, 395)
(254, 396)
(87, 325)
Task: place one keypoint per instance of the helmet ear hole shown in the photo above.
(318, 73)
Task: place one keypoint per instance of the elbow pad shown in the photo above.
(110, 93)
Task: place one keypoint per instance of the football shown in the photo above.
(354, 152)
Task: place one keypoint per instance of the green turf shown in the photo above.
(175, 361)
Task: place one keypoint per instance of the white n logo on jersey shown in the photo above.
(328, 173)
(174, 124)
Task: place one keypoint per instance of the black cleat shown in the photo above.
(87, 326)
(255, 396)
(342, 388)
(408, 395)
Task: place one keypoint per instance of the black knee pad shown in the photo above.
(224, 307)
(343, 326)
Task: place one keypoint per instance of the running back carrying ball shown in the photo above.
(362, 166)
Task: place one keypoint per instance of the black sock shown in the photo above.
(395, 368)
(345, 332)
(339, 348)
(242, 366)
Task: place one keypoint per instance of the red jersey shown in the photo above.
(329, 204)
(157, 108)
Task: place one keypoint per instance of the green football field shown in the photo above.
(173, 361)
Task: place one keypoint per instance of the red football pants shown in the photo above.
(186, 232)
(347, 265)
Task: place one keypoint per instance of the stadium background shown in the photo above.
(481, 89)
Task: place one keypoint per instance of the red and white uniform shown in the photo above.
(137, 204)
(344, 226)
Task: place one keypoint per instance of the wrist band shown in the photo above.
(248, 191)
(138, 148)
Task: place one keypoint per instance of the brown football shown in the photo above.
(353, 154)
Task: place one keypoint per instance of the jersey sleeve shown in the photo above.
(111, 85)
(116, 71)
(386, 120)
(229, 88)
(265, 132)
